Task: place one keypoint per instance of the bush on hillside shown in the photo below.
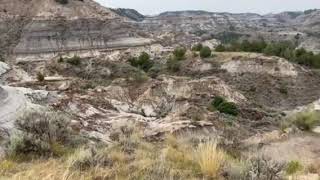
(197, 47)
(205, 52)
(217, 101)
(62, 1)
(2, 58)
(142, 62)
(75, 60)
(40, 77)
(265, 168)
(227, 37)
(60, 60)
(223, 106)
(220, 48)
(173, 65)
(284, 49)
(228, 108)
(39, 133)
(294, 167)
(155, 70)
(179, 53)
(306, 120)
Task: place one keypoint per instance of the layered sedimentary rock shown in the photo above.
(37, 27)
(45, 36)
(49, 27)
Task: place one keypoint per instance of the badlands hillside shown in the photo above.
(90, 92)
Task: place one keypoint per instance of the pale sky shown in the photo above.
(151, 7)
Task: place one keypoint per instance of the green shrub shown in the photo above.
(293, 167)
(309, 11)
(217, 101)
(197, 47)
(40, 77)
(179, 53)
(75, 60)
(228, 37)
(138, 77)
(220, 104)
(205, 52)
(283, 90)
(2, 58)
(143, 62)
(39, 133)
(173, 65)
(228, 108)
(305, 120)
(60, 60)
(155, 71)
(62, 1)
(284, 49)
(220, 48)
(195, 54)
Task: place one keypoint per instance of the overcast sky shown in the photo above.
(150, 7)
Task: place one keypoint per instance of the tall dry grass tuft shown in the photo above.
(210, 159)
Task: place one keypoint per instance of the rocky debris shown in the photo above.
(273, 66)
(314, 106)
(166, 104)
(64, 86)
(3, 68)
(212, 44)
(185, 98)
(269, 81)
(170, 94)
(15, 101)
(158, 129)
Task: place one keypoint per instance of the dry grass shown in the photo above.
(210, 159)
(129, 158)
(305, 120)
(57, 170)
(8, 167)
(314, 168)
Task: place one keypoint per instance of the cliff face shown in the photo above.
(190, 26)
(45, 26)
(45, 36)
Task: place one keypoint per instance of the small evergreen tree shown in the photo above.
(205, 52)
(40, 77)
(179, 53)
(197, 47)
(142, 62)
(220, 48)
